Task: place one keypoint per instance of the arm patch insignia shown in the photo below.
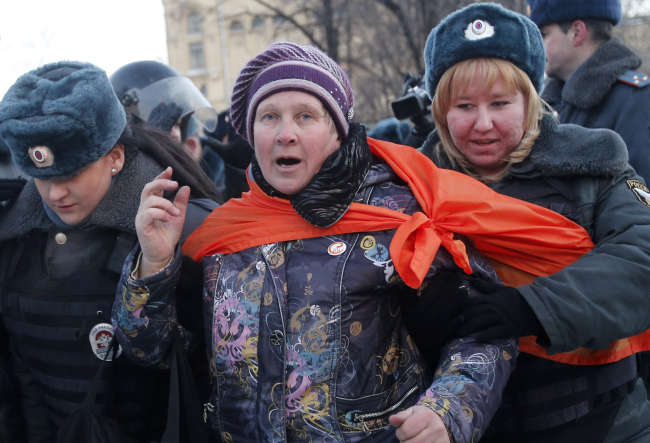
(640, 190)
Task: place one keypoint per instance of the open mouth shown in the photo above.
(286, 162)
(484, 142)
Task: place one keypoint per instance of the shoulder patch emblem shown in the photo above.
(641, 191)
(635, 78)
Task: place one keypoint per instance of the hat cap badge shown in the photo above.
(478, 30)
(41, 156)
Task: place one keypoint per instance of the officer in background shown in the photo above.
(159, 96)
(236, 153)
(593, 81)
(211, 163)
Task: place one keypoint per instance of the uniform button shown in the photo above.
(277, 337)
(60, 238)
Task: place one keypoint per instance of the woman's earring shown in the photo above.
(114, 171)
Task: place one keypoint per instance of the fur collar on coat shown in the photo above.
(560, 150)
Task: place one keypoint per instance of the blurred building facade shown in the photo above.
(635, 32)
(210, 41)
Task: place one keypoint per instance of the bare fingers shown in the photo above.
(158, 185)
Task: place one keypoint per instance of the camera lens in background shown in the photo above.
(415, 102)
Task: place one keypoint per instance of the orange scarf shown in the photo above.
(519, 234)
(523, 237)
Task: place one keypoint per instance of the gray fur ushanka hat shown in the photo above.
(60, 118)
(484, 30)
(546, 12)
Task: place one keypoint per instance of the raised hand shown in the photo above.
(159, 222)
(419, 424)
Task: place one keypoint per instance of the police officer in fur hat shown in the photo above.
(63, 244)
(594, 79)
(576, 378)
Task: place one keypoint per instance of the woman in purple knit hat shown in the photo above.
(305, 337)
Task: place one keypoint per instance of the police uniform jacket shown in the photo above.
(582, 174)
(606, 91)
(58, 286)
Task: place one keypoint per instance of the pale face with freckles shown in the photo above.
(487, 125)
(292, 135)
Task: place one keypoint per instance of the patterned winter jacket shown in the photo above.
(306, 341)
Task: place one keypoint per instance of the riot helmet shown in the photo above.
(143, 85)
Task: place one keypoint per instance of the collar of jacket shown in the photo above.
(594, 78)
(116, 211)
(332, 190)
(560, 150)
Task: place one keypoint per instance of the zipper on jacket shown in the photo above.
(361, 418)
(208, 407)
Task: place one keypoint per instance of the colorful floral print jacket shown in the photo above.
(306, 341)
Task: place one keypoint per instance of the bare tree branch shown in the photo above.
(310, 36)
(406, 25)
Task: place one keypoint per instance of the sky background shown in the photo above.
(108, 34)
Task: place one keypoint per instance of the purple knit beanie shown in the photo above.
(285, 66)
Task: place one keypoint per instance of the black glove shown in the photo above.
(189, 295)
(164, 116)
(426, 317)
(11, 188)
(501, 313)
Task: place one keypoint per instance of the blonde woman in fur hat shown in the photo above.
(576, 379)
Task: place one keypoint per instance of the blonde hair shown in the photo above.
(455, 82)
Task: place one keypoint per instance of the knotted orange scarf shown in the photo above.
(522, 237)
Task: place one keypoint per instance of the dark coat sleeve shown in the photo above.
(603, 296)
(197, 210)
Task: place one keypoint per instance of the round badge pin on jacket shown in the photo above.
(336, 248)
